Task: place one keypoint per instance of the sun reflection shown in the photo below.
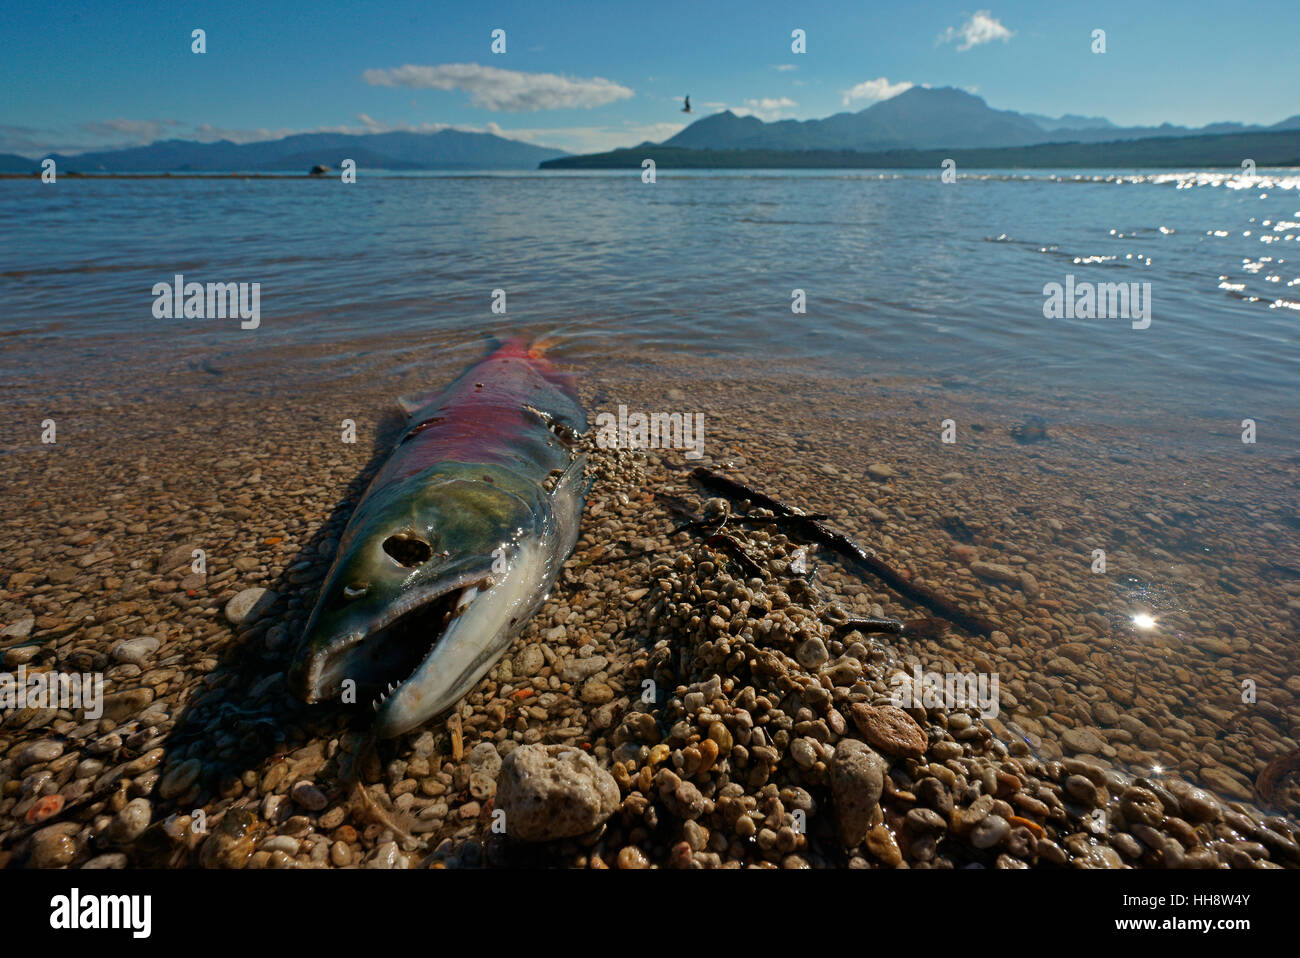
(1143, 621)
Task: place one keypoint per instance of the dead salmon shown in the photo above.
(455, 544)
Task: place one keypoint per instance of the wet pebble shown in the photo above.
(990, 832)
(857, 782)
(135, 651)
(130, 823)
(248, 605)
(890, 729)
(308, 796)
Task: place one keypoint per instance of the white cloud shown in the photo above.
(765, 108)
(983, 27)
(591, 139)
(131, 131)
(878, 89)
(511, 91)
(786, 67)
(207, 133)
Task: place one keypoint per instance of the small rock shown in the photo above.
(881, 843)
(996, 572)
(484, 758)
(990, 832)
(19, 630)
(232, 843)
(340, 854)
(46, 750)
(249, 605)
(812, 654)
(1083, 789)
(554, 791)
(529, 661)
(1224, 783)
(1141, 806)
(1200, 805)
(130, 823)
(308, 796)
(596, 692)
(890, 729)
(179, 778)
(1082, 740)
(631, 857)
(803, 753)
(135, 651)
(122, 705)
(925, 820)
(54, 846)
(577, 670)
(388, 855)
(857, 781)
(174, 558)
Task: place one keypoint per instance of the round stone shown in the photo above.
(249, 605)
(990, 832)
(890, 729)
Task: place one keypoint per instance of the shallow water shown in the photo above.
(901, 272)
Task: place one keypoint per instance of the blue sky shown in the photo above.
(593, 76)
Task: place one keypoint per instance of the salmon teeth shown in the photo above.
(466, 598)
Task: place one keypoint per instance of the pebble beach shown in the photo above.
(670, 705)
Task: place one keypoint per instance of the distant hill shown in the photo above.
(922, 118)
(444, 150)
(1269, 148)
(12, 163)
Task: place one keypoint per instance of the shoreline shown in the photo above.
(262, 483)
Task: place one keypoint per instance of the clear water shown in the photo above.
(902, 273)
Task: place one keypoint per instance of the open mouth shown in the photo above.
(389, 657)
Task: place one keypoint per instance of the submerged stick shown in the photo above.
(813, 530)
(870, 626)
(737, 552)
(365, 803)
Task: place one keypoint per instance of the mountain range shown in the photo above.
(1269, 148)
(443, 150)
(918, 119)
(923, 118)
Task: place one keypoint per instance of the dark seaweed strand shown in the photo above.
(814, 531)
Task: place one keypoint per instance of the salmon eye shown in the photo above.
(355, 591)
(407, 550)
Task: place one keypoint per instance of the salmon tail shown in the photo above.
(518, 346)
(538, 349)
(535, 352)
